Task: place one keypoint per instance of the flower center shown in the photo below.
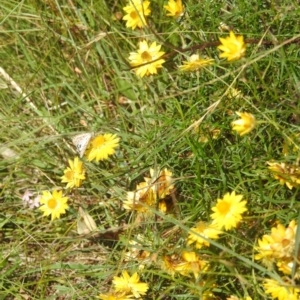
(146, 56)
(98, 142)
(224, 207)
(134, 15)
(201, 227)
(70, 174)
(52, 203)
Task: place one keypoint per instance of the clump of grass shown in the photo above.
(187, 187)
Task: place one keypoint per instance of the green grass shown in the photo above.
(43, 43)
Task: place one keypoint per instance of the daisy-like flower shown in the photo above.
(191, 264)
(74, 174)
(195, 63)
(130, 285)
(228, 211)
(147, 59)
(233, 47)
(54, 204)
(102, 146)
(136, 11)
(279, 244)
(245, 124)
(201, 230)
(285, 173)
(265, 251)
(175, 8)
(284, 239)
(279, 291)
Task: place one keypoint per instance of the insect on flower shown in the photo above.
(81, 141)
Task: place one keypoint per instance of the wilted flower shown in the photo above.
(147, 193)
(195, 63)
(285, 173)
(161, 181)
(280, 244)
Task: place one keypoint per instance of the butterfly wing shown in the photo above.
(81, 141)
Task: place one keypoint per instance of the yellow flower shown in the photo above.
(74, 174)
(175, 9)
(195, 63)
(287, 265)
(285, 173)
(279, 291)
(191, 264)
(54, 204)
(233, 47)
(284, 239)
(130, 285)
(280, 244)
(228, 211)
(136, 11)
(265, 251)
(102, 146)
(201, 230)
(146, 60)
(245, 124)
